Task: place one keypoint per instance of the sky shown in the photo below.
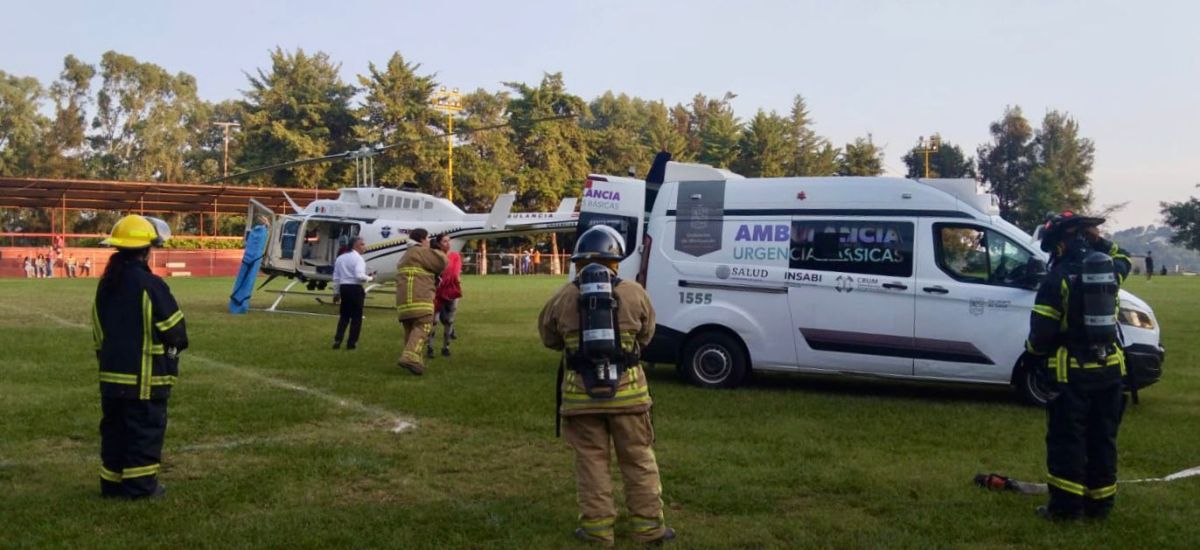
(1129, 72)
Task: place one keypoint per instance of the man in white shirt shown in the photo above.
(349, 274)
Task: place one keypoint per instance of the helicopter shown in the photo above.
(304, 244)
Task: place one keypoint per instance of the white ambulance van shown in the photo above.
(877, 276)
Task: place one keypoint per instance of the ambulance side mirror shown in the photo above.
(1034, 272)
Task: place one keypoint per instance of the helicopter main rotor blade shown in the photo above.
(279, 166)
(466, 131)
(377, 150)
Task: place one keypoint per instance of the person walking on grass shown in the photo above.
(416, 286)
(138, 331)
(613, 414)
(349, 274)
(445, 302)
(1149, 264)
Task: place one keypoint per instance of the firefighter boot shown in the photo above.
(582, 534)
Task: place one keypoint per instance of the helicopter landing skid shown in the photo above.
(318, 296)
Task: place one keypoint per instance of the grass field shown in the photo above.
(276, 440)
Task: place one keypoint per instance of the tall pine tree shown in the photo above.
(299, 109)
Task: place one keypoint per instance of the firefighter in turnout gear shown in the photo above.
(1073, 341)
(138, 331)
(604, 398)
(416, 285)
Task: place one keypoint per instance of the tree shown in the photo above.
(1006, 163)
(717, 130)
(813, 155)
(65, 154)
(947, 162)
(662, 132)
(1184, 218)
(145, 119)
(554, 155)
(21, 126)
(861, 158)
(685, 125)
(300, 109)
(395, 110)
(486, 162)
(1068, 159)
(616, 130)
(764, 150)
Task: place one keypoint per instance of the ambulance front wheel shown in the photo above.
(1033, 389)
(714, 359)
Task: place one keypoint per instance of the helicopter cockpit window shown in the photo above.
(381, 200)
(428, 205)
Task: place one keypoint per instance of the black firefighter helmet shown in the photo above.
(1057, 226)
(600, 243)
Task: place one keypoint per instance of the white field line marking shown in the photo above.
(400, 423)
(1190, 472)
(231, 444)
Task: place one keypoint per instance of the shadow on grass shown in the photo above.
(857, 386)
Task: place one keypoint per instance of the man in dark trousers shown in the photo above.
(1149, 264)
(349, 274)
(1084, 415)
(138, 332)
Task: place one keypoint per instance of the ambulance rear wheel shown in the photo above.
(713, 359)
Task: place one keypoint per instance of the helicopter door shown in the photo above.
(282, 240)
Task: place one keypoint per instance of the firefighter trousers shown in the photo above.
(416, 331)
(594, 437)
(131, 440)
(1081, 449)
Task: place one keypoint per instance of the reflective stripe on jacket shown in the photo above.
(415, 284)
(1052, 334)
(559, 328)
(132, 327)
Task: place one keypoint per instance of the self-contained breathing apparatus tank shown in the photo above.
(599, 358)
(1099, 285)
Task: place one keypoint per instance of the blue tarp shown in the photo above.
(243, 286)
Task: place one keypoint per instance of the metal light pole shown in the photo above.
(935, 141)
(450, 102)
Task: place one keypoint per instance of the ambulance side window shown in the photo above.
(872, 247)
(962, 252)
(982, 256)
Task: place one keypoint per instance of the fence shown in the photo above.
(503, 263)
(166, 263)
(225, 263)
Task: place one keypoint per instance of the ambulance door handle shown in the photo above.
(895, 286)
(936, 290)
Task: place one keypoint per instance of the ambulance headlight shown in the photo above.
(1135, 318)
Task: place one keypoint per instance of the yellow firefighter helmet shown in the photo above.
(134, 231)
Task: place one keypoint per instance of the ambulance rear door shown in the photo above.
(620, 204)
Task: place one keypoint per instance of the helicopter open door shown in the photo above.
(321, 241)
(282, 241)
